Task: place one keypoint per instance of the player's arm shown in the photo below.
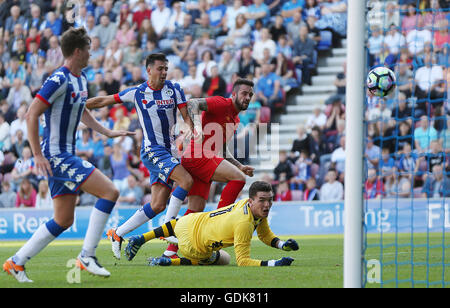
(247, 170)
(102, 101)
(90, 121)
(266, 236)
(36, 109)
(195, 106)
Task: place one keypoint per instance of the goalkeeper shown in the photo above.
(201, 236)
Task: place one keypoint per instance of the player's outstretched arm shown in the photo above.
(90, 121)
(101, 101)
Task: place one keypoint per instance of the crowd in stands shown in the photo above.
(209, 44)
(408, 134)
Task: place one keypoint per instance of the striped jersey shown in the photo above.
(157, 111)
(66, 95)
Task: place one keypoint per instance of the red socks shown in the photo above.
(230, 193)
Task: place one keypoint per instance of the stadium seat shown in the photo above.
(280, 105)
(325, 40)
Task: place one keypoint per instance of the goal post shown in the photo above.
(355, 97)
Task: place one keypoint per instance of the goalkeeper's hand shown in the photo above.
(290, 245)
(285, 261)
(161, 261)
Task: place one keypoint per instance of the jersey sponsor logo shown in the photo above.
(164, 103)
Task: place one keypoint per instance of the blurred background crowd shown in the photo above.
(211, 43)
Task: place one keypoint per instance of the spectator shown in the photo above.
(204, 67)
(26, 194)
(303, 52)
(435, 156)
(15, 70)
(285, 68)
(436, 185)
(338, 158)
(233, 12)
(411, 20)
(332, 190)
(85, 145)
(283, 193)
(401, 111)
(372, 153)
(160, 18)
(375, 44)
(142, 13)
(429, 86)
(146, 33)
(418, 37)
(374, 187)
(18, 94)
(317, 147)
(215, 85)
(216, 13)
(43, 198)
(191, 80)
(311, 192)
(333, 17)
(441, 37)
(204, 44)
(423, 135)
(284, 47)
(290, 8)
(293, 27)
(15, 18)
(132, 194)
(54, 54)
(239, 35)
(125, 35)
(20, 51)
(258, 10)
(106, 31)
(317, 118)
(183, 48)
(247, 64)
(277, 28)
(380, 112)
(20, 123)
(227, 66)
(387, 163)
(394, 40)
(7, 196)
(262, 44)
(5, 141)
(268, 87)
(113, 56)
(119, 165)
(111, 85)
(54, 22)
(284, 168)
(302, 171)
(397, 186)
(136, 77)
(301, 143)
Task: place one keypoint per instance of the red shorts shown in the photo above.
(202, 170)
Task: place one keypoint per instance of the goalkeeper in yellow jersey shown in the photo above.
(201, 236)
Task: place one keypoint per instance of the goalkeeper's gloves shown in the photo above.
(289, 245)
(161, 261)
(285, 261)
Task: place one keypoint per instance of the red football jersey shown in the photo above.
(219, 123)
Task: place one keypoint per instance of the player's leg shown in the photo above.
(160, 195)
(197, 202)
(235, 179)
(135, 242)
(103, 188)
(185, 182)
(64, 207)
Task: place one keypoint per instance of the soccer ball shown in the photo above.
(381, 81)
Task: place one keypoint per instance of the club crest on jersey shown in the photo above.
(86, 164)
(169, 92)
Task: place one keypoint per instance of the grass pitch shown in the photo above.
(318, 264)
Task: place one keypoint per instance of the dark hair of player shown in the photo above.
(72, 39)
(257, 187)
(242, 81)
(152, 58)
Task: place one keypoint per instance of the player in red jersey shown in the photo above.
(215, 119)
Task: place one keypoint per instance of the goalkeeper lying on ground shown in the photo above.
(201, 236)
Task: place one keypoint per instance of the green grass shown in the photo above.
(318, 263)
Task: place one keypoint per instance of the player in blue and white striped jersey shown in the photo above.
(157, 101)
(62, 100)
